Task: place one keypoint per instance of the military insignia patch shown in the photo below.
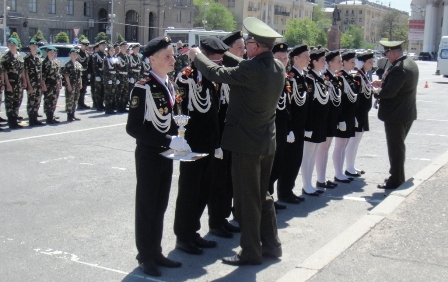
(134, 102)
(158, 95)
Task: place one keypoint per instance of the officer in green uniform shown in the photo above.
(14, 78)
(98, 59)
(135, 66)
(109, 78)
(72, 74)
(123, 67)
(83, 59)
(249, 133)
(33, 75)
(51, 83)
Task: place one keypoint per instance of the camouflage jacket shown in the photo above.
(97, 63)
(51, 71)
(146, 68)
(109, 68)
(135, 66)
(33, 66)
(12, 65)
(73, 71)
(182, 61)
(123, 64)
(83, 59)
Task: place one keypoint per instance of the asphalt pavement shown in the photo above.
(67, 203)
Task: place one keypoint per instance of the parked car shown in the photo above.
(3, 49)
(63, 52)
(412, 56)
(425, 56)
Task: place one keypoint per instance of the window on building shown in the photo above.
(32, 4)
(360, 12)
(32, 31)
(360, 20)
(87, 9)
(13, 5)
(179, 16)
(52, 8)
(230, 3)
(190, 17)
(70, 7)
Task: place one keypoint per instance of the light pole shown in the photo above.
(204, 21)
(111, 17)
(5, 11)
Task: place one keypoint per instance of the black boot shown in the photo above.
(36, 121)
(70, 117)
(50, 119)
(74, 117)
(12, 123)
(31, 120)
(109, 110)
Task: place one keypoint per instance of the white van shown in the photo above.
(442, 58)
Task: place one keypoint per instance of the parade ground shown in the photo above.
(68, 193)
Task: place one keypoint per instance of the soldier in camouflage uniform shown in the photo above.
(72, 74)
(33, 75)
(110, 79)
(135, 67)
(14, 78)
(182, 61)
(123, 67)
(98, 59)
(90, 74)
(146, 68)
(83, 59)
(2, 88)
(51, 83)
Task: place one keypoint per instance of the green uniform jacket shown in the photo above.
(399, 91)
(256, 86)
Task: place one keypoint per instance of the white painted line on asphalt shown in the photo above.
(85, 163)
(75, 258)
(423, 101)
(429, 119)
(419, 159)
(359, 199)
(119, 168)
(58, 159)
(60, 133)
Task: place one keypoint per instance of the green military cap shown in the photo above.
(101, 42)
(13, 41)
(391, 45)
(52, 48)
(259, 31)
(85, 42)
(74, 50)
(137, 45)
(123, 43)
(110, 46)
(38, 51)
(96, 45)
(33, 42)
(280, 47)
(115, 44)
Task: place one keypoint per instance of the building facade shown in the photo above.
(275, 13)
(135, 20)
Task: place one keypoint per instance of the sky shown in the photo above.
(402, 5)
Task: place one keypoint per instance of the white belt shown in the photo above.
(112, 71)
(123, 72)
(136, 70)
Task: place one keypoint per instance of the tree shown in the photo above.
(394, 26)
(102, 36)
(302, 31)
(352, 38)
(319, 14)
(82, 37)
(61, 37)
(216, 15)
(120, 38)
(39, 36)
(16, 36)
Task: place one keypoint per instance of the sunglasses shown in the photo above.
(385, 53)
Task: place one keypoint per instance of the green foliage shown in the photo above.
(16, 36)
(394, 26)
(39, 36)
(102, 36)
(81, 37)
(369, 45)
(319, 14)
(120, 38)
(352, 38)
(302, 31)
(216, 15)
(61, 37)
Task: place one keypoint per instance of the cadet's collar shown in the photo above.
(299, 71)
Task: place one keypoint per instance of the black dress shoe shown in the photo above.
(238, 261)
(298, 197)
(150, 268)
(202, 243)
(357, 174)
(231, 228)
(276, 253)
(319, 191)
(315, 194)
(290, 200)
(361, 171)
(342, 180)
(188, 247)
(19, 118)
(327, 184)
(279, 206)
(387, 185)
(166, 262)
(221, 232)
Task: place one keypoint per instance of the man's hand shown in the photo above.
(377, 83)
(193, 52)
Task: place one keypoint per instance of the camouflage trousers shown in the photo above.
(34, 99)
(71, 99)
(109, 90)
(99, 93)
(51, 98)
(121, 94)
(13, 99)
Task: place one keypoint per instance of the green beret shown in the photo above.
(74, 50)
(85, 42)
(52, 48)
(33, 42)
(13, 41)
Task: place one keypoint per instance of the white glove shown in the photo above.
(88, 76)
(179, 144)
(97, 78)
(131, 80)
(342, 126)
(356, 122)
(109, 82)
(375, 105)
(219, 154)
(290, 138)
(117, 82)
(308, 134)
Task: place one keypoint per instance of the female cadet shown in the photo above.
(316, 124)
(347, 120)
(362, 113)
(334, 84)
(300, 101)
(110, 68)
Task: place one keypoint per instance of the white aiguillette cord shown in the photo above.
(281, 105)
(194, 95)
(334, 97)
(365, 88)
(352, 96)
(224, 91)
(161, 123)
(318, 92)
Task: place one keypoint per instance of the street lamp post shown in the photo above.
(111, 17)
(5, 11)
(204, 21)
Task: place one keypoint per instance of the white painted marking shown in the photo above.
(75, 258)
(58, 159)
(61, 133)
(368, 155)
(419, 159)
(443, 120)
(119, 168)
(359, 199)
(423, 101)
(85, 163)
(428, 134)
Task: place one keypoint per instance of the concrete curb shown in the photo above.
(314, 263)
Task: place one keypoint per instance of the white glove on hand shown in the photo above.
(219, 154)
(290, 138)
(109, 82)
(342, 126)
(179, 144)
(131, 80)
(97, 78)
(117, 82)
(89, 76)
(308, 134)
(356, 122)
